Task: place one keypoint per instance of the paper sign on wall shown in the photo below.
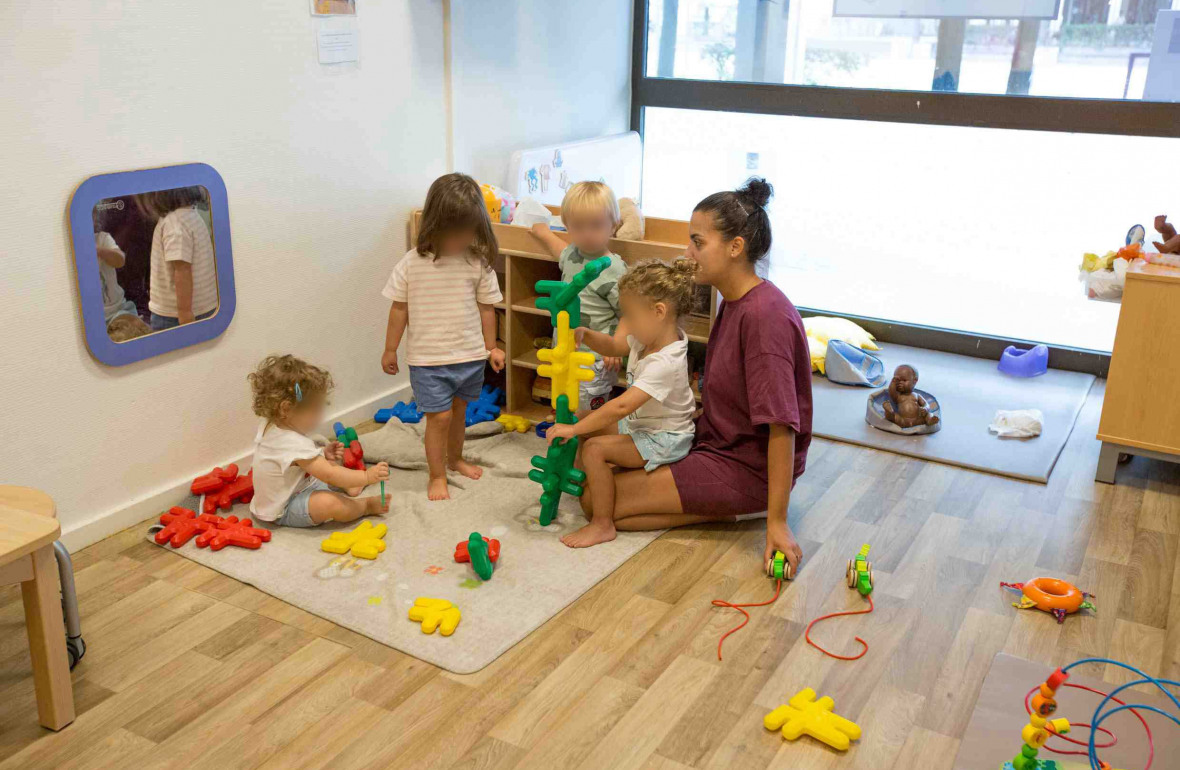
(338, 41)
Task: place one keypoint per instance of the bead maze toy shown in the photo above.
(435, 614)
(804, 715)
(240, 490)
(486, 408)
(214, 480)
(480, 552)
(354, 455)
(364, 541)
(555, 472)
(1057, 597)
(512, 422)
(860, 578)
(407, 413)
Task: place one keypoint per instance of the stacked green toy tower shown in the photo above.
(555, 472)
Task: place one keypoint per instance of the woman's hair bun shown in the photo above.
(756, 190)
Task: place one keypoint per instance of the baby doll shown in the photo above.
(904, 407)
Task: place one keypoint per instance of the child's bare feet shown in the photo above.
(375, 505)
(467, 469)
(437, 489)
(592, 534)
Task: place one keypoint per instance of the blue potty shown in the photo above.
(875, 414)
(1024, 363)
(849, 365)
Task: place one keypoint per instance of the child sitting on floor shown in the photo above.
(590, 213)
(651, 424)
(444, 289)
(295, 483)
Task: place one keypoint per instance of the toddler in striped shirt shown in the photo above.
(443, 290)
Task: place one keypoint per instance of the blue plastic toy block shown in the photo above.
(487, 408)
(402, 411)
(542, 427)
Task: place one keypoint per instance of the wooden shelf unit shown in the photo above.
(522, 262)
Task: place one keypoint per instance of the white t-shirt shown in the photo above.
(441, 294)
(182, 236)
(663, 375)
(112, 292)
(276, 476)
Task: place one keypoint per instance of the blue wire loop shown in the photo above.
(1098, 718)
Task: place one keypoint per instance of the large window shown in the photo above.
(946, 172)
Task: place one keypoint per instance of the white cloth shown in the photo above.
(663, 375)
(112, 292)
(442, 295)
(276, 476)
(182, 236)
(1017, 423)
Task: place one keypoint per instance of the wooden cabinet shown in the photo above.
(522, 262)
(1141, 411)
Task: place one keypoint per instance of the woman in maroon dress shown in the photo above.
(752, 437)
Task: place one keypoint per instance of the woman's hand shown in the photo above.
(779, 538)
(389, 362)
(559, 431)
(375, 473)
(496, 359)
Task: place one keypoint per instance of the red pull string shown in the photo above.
(864, 645)
(722, 603)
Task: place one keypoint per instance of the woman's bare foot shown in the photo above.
(591, 534)
(467, 469)
(437, 489)
(376, 505)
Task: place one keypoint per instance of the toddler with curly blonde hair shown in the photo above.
(296, 484)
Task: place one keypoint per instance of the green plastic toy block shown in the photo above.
(477, 551)
(564, 296)
(555, 472)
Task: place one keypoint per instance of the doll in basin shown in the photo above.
(905, 408)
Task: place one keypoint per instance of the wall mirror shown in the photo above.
(154, 260)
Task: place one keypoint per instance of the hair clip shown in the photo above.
(298, 393)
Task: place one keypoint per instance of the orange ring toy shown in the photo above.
(1054, 596)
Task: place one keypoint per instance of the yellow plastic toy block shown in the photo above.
(564, 365)
(364, 542)
(511, 422)
(804, 715)
(433, 613)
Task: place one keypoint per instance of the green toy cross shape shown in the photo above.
(804, 715)
(555, 472)
(564, 296)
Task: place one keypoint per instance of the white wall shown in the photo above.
(322, 166)
(536, 72)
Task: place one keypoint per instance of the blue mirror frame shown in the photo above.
(82, 204)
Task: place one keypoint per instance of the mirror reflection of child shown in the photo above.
(183, 284)
(296, 484)
(119, 313)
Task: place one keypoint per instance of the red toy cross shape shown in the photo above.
(232, 531)
(214, 480)
(181, 524)
(463, 557)
(238, 491)
(354, 456)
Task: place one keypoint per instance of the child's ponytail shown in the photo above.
(672, 283)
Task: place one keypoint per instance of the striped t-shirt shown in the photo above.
(441, 295)
(182, 236)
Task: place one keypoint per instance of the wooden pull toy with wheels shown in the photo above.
(778, 568)
(860, 572)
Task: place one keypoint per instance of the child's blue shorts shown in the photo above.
(659, 447)
(295, 514)
(436, 386)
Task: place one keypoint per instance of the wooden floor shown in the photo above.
(187, 668)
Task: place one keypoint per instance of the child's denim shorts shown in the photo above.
(659, 447)
(296, 513)
(436, 386)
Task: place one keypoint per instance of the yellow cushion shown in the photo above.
(821, 329)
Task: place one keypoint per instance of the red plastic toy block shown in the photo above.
(214, 480)
(463, 557)
(354, 456)
(181, 524)
(232, 531)
(239, 491)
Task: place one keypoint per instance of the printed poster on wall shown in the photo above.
(948, 9)
(333, 7)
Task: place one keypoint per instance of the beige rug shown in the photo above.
(535, 578)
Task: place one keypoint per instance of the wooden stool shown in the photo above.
(28, 529)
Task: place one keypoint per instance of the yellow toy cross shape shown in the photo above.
(364, 542)
(433, 613)
(565, 366)
(804, 715)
